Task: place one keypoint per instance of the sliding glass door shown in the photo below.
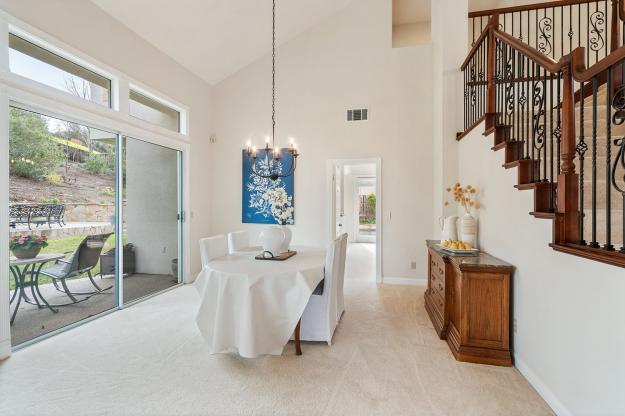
(152, 212)
(77, 194)
(61, 223)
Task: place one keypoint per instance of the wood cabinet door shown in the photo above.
(485, 306)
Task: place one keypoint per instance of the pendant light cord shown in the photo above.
(273, 78)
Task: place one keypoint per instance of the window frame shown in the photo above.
(31, 95)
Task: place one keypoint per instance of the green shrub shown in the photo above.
(107, 191)
(96, 165)
(32, 151)
(44, 200)
(54, 179)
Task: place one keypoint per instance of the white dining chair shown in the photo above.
(238, 240)
(340, 281)
(213, 247)
(318, 321)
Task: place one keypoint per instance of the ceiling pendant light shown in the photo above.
(270, 163)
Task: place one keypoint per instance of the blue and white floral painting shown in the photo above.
(257, 205)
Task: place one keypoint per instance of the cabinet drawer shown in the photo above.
(438, 302)
(437, 267)
(437, 283)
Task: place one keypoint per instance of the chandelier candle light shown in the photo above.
(273, 155)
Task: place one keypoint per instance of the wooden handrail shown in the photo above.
(534, 54)
(526, 7)
(474, 48)
(583, 74)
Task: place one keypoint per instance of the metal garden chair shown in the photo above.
(84, 259)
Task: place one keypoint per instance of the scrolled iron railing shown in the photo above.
(562, 125)
(556, 28)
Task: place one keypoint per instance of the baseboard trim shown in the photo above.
(389, 280)
(5, 349)
(556, 405)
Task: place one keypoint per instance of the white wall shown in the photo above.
(449, 39)
(411, 34)
(345, 62)
(87, 28)
(569, 311)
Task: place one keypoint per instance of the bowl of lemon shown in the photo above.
(457, 247)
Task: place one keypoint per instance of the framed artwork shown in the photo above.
(266, 201)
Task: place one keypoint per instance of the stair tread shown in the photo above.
(543, 215)
(533, 185)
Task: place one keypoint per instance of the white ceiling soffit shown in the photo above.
(411, 11)
(216, 38)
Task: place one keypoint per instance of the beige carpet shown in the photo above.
(150, 359)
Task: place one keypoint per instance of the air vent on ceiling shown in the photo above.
(359, 114)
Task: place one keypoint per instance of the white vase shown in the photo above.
(468, 229)
(288, 235)
(271, 239)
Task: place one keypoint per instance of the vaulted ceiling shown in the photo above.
(215, 38)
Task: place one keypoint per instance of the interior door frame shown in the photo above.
(331, 205)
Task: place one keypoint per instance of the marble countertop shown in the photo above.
(480, 261)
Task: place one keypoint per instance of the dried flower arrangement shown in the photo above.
(464, 196)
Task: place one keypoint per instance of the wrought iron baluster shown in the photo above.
(551, 137)
(581, 149)
(608, 165)
(593, 242)
(545, 27)
(532, 120)
(464, 98)
(618, 118)
(526, 93)
(558, 133)
(579, 25)
(570, 33)
(544, 125)
(522, 102)
(473, 28)
(517, 104)
(596, 40)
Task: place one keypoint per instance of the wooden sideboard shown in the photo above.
(468, 301)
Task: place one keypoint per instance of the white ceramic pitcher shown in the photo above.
(449, 228)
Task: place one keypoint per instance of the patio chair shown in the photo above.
(84, 259)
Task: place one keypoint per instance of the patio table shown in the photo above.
(31, 268)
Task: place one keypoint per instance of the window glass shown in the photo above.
(34, 62)
(152, 111)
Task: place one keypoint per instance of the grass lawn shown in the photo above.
(67, 246)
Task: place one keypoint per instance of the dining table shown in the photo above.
(23, 268)
(253, 307)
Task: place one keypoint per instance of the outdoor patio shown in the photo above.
(31, 321)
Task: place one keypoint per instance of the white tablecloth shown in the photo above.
(251, 307)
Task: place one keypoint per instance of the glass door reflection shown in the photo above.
(151, 208)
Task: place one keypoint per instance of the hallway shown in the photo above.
(360, 262)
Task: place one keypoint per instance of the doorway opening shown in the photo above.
(356, 210)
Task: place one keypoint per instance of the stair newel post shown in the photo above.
(491, 105)
(568, 180)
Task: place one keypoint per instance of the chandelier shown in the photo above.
(270, 163)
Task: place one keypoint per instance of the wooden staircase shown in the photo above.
(561, 125)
